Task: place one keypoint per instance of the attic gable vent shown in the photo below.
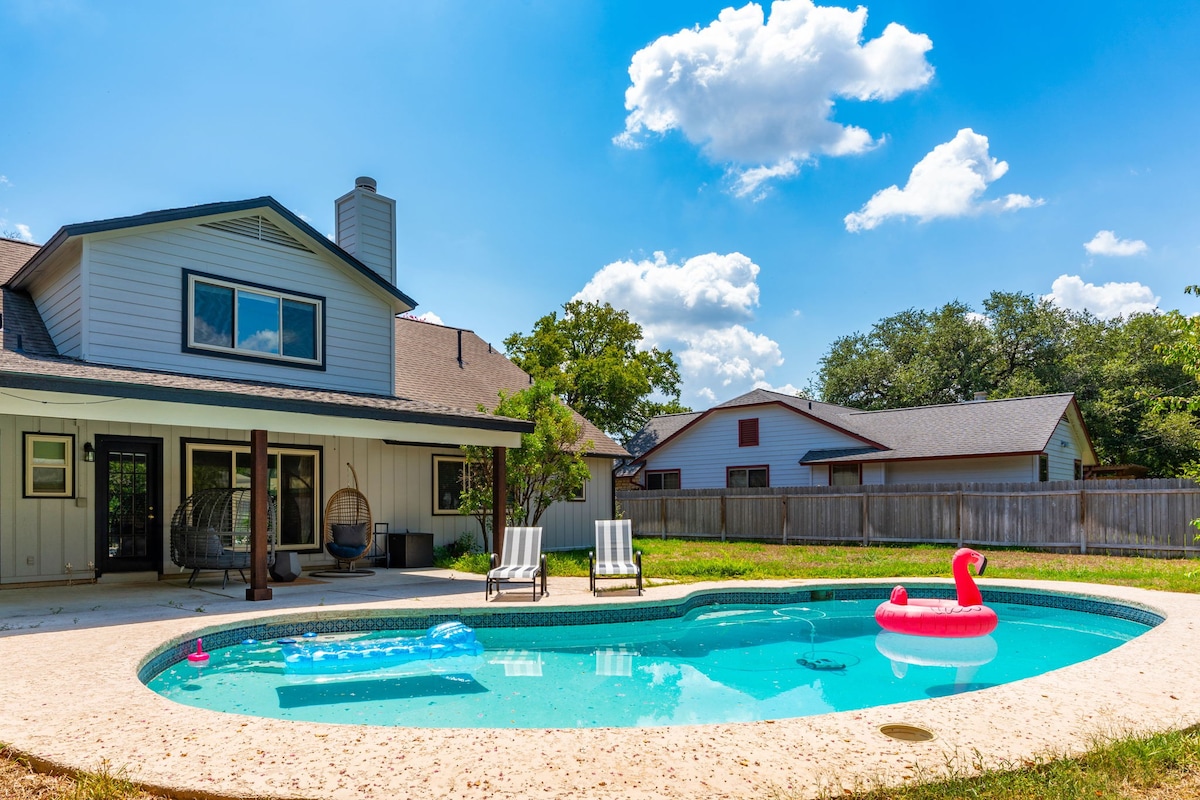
(257, 227)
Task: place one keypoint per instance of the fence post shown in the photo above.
(1082, 522)
(785, 519)
(866, 535)
(722, 518)
(958, 517)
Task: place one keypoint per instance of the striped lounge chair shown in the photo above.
(521, 560)
(614, 556)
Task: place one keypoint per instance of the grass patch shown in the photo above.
(1156, 767)
(688, 561)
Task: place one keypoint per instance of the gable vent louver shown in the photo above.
(259, 228)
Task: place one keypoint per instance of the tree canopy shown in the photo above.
(1019, 346)
(590, 356)
(547, 467)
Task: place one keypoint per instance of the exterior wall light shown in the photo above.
(89, 452)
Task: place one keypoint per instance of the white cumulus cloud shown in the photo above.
(1106, 302)
(16, 230)
(699, 310)
(429, 316)
(948, 182)
(759, 93)
(1106, 243)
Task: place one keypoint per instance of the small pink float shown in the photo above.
(199, 657)
(965, 616)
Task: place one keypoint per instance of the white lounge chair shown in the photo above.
(614, 556)
(521, 560)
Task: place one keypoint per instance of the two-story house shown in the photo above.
(138, 353)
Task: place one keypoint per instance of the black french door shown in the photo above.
(129, 515)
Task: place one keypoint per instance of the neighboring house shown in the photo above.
(138, 353)
(764, 438)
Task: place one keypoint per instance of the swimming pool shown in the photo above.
(717, 657)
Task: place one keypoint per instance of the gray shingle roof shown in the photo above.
(658, 430)
(427, 368)
(1011, 426)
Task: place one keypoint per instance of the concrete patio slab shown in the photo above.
(70, 698)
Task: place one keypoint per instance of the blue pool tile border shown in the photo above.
(417, 620)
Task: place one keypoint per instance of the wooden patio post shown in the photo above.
(499, 498)
(259, 499)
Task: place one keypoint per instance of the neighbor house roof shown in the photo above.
(1012, 426)
(1009, 426)
(455, 367)
(314, 237)
(664, 428)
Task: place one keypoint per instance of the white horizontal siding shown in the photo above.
(1062, 451)
(704, 451)
(59, 298)
(1007, 469)
(136, 309)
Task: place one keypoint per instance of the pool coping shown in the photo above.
(50, 713)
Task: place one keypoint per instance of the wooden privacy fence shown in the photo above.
(1151, 516)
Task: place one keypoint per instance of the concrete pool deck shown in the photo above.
(70, 699)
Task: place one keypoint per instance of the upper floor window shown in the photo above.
(748, 432)
(747, 477)
(250, 321)
(1043, 467)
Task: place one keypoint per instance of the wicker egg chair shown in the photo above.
(348, 530)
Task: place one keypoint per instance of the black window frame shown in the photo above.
(188, 345)
(659, 473)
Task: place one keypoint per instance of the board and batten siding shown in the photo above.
(396, 479)
(704, 451)
(59, 299)
(136, 313)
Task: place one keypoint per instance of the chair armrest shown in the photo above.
(543, 563)
(493, 561)
(637, 556)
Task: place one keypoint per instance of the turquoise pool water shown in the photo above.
(716, 663)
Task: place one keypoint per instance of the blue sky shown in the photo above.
(764, 180)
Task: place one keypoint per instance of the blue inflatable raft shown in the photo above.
(446, 649)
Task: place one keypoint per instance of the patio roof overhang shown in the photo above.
(66, 398)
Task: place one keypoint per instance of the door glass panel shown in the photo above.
(128, 505)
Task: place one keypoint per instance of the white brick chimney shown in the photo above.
(366, 227)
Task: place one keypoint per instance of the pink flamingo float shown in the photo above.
(962, 617)
(199, 658)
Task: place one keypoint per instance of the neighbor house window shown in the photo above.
(845, 475)
(747, 478)
(662, 479)
(748, 432)
(448, 485)
(1043, 467)
(292, 482)
(249, 321)
(1078, 470)
(49, 465)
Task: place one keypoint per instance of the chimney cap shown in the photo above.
(980, 396)
(364, 183)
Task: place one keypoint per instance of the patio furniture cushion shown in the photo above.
(350, 535)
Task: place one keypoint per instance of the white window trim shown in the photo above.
(68, 465)
(319, 316)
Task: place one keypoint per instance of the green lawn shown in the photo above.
(680, 560)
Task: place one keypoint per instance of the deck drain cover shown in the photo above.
(906, 733)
